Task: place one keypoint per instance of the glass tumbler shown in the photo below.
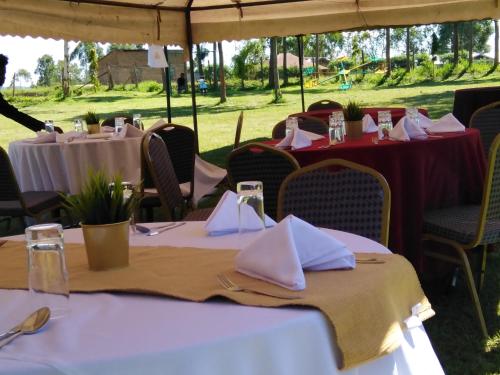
(291, 123)
(119, 124)
(137, 121)
(384, 121)
(412, 114)
(47, 274)
(250, 206)
(49, 126)
(78, 124)
(336, 128)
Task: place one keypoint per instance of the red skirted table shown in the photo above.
(423, 174)
(396, 113)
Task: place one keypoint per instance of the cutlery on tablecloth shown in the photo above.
(146, 230)
(158, 231)
(231, 286)
(30, 325)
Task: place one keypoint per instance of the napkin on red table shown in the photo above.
(282, 253)
(369, 125)
(407, 129)
(447, 123)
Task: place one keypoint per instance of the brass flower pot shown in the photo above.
(354, 129)
(107, 245)
(93, 128)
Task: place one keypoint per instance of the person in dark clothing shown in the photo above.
(181, 84)
(12, 112)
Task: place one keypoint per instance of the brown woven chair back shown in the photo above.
(259, 162)
(341, 195)
(487, 120)
(9, 189)
(491, 195)
(111, 120)
(309, 123)
(162, 172)
(237, 136)
(324, 104)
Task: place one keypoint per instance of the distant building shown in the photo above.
(129, 66)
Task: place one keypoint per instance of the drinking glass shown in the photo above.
(49, 126)
(128, 191)
(137, 121)
(384, 121)
(412, 114)
(78, 124)
(250, 196)
(291, 123)
(336, 130)
(119, 124)
(47, 274)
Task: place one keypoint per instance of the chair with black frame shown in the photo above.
(14, 203)
(110, 121)
(324, 104)
(464, 228)
(339, 194)
(308, 123)
(237, 135)
(160, 165)
(487, 120)
(259, 162)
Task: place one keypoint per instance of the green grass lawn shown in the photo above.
(454, 331)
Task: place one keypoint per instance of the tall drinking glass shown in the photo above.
(47, 274)
(336, 127)
(78, 124)
(384, 122)
(290, 124)
(119, 124)
(412, 114)
(250, 201)
(137, 121)
(49, 126)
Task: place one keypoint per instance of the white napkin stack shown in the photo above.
(224, 218)
(43, 137)
(281, 253)
(447, 123)
(130, 131)
(369, 125)
(407, 129)
(298, 138)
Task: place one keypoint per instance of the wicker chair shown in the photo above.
(487, 120)
(163, 174)
(463, 228)
(256, 161)
(13, 203)
(324, 104)
(309, 123)
(111, 120)
(237, 136)
(339, 194)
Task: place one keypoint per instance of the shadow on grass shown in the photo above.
(441, 103)
(219, 155)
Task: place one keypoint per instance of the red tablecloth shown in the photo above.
(396, 113)
(422, 174)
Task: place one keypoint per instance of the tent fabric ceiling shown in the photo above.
(164, 22)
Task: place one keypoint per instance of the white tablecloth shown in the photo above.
(64, 166)
(125, 334)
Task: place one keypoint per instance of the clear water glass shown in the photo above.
(137, 121)
(412, 114)
(250, 194)
(384, 121)
(47, 274)
(290, 124)
(128, 191)
(335, 132)
(49, 126)
(119, 124)
(78, 124)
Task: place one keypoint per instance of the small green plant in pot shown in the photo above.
(353, 116)
(92, 120)
(104, 215)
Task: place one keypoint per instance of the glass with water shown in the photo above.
(137, 121)
(250, 202)
(412, 114)
(49, 126)
(78, 124)
(290, 124)
(119, 124)
(47, 274)
(384, 122)
(336, 128)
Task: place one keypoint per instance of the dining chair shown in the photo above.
(259, 162)
(463, 228)
(14, 203)
(324, 104)
(487, 120)
(110, 121)
(237, 136)
(309, 123)
(339, 194)
(162, 171)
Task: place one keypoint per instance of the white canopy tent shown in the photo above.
(184, 22)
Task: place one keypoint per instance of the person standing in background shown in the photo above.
(12, 112)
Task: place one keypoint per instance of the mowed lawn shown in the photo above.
(453, 331)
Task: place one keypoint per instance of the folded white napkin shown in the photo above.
(281, 253)
(99, 135)
(369, 125)
(130, 131)
(107, 129)
(43, 137)
(447, 123)
(69, 136)
(296, 139)
(424, 121)
(407, 129)
(225, 218)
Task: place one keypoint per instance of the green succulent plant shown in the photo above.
(99, 203)
(353, 112)
(91, 117)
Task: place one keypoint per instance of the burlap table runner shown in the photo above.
(366, 306)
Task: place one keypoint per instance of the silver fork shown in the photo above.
(231, 286)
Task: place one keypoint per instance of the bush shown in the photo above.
(150, 86)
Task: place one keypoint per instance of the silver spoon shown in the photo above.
(30, 325)
(146, 230)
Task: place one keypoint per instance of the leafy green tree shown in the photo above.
(23, 75)
(93, 68)
(481, 31)
(247, 58)
(124, 46)
(46, 70)
(82, 53)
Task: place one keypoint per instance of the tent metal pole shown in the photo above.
(301, 69)
(191, 71)
(168, 88)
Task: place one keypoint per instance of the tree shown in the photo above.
(215, 64)
(65, 75)
(222, 78)
(248, 56)
(276, 81)
(434, 44)
(82, 53)
(201, 54)
(388, 49)
(452, 36)
(23, 75)
(46, 70)
(124, 46)
(93, 68)
(496, 42)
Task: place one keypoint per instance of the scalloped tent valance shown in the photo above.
(164, 22)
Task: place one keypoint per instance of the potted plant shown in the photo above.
(92, 120)
(104, 215)
(353, 116)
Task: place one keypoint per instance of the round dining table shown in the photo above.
(64, 167)
(108, 333)
(443, 170)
